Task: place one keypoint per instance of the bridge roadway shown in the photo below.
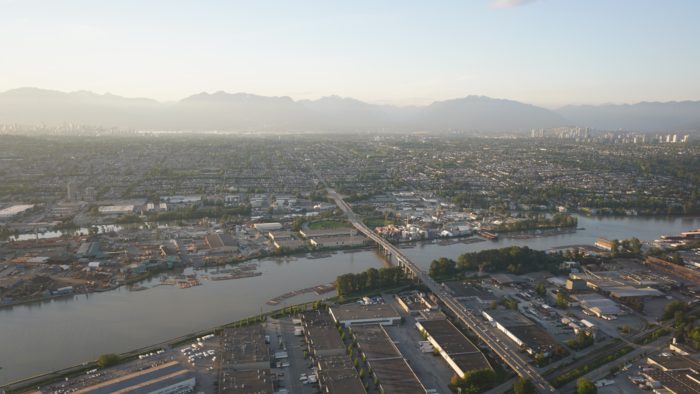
(510, 355)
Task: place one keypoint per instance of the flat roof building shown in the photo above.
(266, 227)
(116, 209)
(14, 210)
(356, 314)
(385, 360)
(336, 241)
(257, 381)
(244, 348)
(463, 290)
(338, 232)
(336, 373)
(522, 331)
(457, 350)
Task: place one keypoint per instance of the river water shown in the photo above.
(46, 336)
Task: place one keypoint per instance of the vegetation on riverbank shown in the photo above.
(539, 222)
(513, 259)
(370, 280)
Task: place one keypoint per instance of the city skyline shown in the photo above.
(546, 53)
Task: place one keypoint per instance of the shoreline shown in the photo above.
(53, 376)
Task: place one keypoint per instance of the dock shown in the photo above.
(320, 289)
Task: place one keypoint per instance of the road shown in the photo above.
(483, 330)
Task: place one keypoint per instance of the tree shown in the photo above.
(540, 289)
(672, 307)
(635, 246)
(585, 386)
(562, 300)
(581, 341)
(442, 267)
(614, 247)
(676, 258)
(524, 386)
(107, 360)
(475, 381)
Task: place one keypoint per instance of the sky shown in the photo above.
(544, 52)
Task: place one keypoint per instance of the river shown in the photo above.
(46, 336)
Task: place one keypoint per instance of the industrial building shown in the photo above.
(328, 233)
(673, 374)
(466, 291)
(385, 360)
(576, 285)
(522, 331)
(457, 350)
(168, 378)
(598, 305)
(337, 241)
(357, 314)
(116, 209)
(336, 372)
(244, 348)
(266, 227)
(415, 302)
(9, 212)
(221, 243)
(256, 381)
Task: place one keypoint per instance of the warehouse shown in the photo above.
(257, 381)
(597, 305)
(116, 209)
(457, 350)
(245, 348)
(385, 360)
(267, 227)
(356, 314)
(337, 241)
(14, 210)
(168, 378)
(465, 291)
(522, 331)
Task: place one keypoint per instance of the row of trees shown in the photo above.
(371, 279)
(540, 222)
(525, 386)
(475, 381)
(513, 259)
(199, 213)
(684, 318)
(582, 340)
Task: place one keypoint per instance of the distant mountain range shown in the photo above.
(248, 112)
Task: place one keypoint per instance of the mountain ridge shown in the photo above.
(222, 110)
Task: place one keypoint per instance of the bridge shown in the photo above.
(507, 352)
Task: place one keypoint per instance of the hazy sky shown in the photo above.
(546, 52)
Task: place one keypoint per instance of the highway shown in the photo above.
(487, 333)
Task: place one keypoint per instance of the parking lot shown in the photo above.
(282, 339)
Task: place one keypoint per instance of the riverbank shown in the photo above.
(55, 376)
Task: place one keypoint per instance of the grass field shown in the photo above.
(378, 222)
